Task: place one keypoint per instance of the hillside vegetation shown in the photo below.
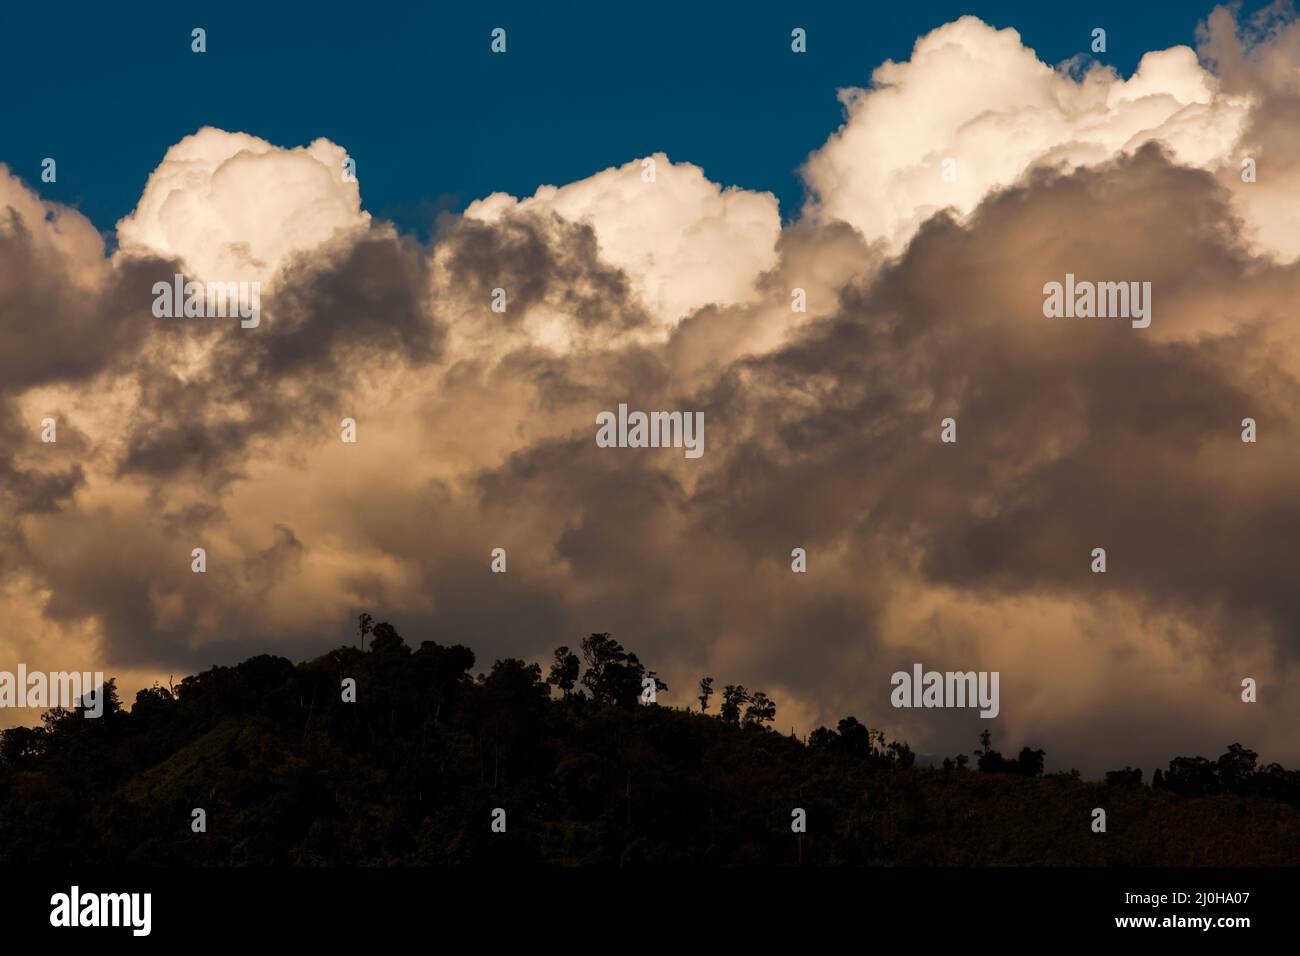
(289, 774)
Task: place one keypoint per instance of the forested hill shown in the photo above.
(416, 768)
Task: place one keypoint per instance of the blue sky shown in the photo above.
(434, 120)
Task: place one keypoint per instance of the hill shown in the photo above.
(288, 773)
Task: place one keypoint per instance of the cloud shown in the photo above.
(233, 207)
(977, 97)
(683, 241)
(1258, 60)
(476, 427)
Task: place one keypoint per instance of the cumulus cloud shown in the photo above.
(977, 98)
(476, 428)
(683, 241)
(233, 207)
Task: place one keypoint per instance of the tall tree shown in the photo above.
(564, 670)
(734, 698)
(761, 709)
(706, 691)
(613, 675)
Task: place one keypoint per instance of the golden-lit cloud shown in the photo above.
(233, 206)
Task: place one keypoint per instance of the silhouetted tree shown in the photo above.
(901, 755)
(564, 670)
(386, 642)
(823, 738)
(1030, 763)
(761, 709)
(298, 776)
(990, 761)
(1236, 769)
(21, 747)
(613, 675)
(734, 698)
(706, 691)
(854, 738)
(1128, 777)
(1192, 776)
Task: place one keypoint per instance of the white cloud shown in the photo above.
(977, 95)
(234, 207)
(684, 242)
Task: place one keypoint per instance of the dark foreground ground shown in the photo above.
(288, 774)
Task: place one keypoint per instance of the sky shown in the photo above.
(829, 256)
(435, 121)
